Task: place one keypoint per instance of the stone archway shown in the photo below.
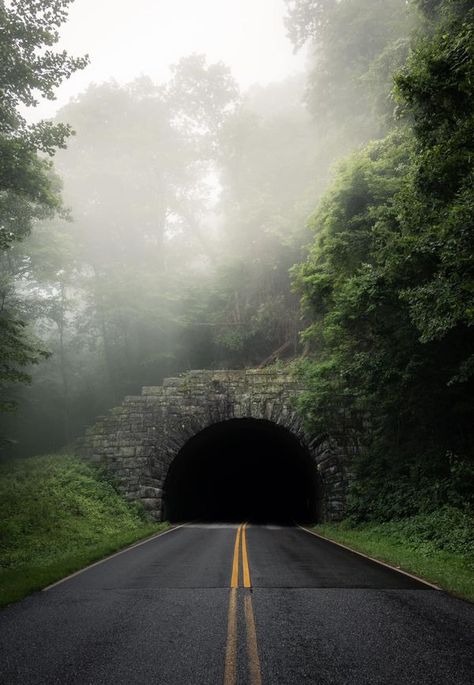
(139, 440)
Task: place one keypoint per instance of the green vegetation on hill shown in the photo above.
(438, 546)
(57, 515)
(388, 287)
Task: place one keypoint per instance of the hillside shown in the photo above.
(58, 514)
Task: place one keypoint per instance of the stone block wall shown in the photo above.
(138, 440)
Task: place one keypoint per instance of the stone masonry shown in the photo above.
(138, 441)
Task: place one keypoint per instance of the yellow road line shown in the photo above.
(245, 559)
(255, 673)
(235, 564)
(230, 671)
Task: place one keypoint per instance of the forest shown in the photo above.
(324, 223)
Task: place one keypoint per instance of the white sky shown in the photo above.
(126, 39)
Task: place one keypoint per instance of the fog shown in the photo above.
(125, 41)
(204, 138)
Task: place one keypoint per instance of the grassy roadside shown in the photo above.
(58, 514)
(417, 545)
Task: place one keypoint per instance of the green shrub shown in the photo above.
(58, 514)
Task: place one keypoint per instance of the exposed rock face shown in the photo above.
(138, 441)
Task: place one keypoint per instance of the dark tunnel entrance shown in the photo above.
(242, 470)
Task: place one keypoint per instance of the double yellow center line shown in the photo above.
(254, 671)
(241, 535)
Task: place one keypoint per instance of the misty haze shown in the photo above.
(236, 322)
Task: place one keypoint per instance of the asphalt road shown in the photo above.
(231, 605)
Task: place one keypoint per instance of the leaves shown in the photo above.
(29, 191)
(389, 284)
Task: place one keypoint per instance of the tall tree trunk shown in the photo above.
(61, 323)
(100, 309)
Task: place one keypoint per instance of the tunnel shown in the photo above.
(242, 470)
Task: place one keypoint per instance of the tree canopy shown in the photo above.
(29, 69)
(389, 285)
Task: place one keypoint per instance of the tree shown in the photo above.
(202, 96)
(108, 289)
(306, 19)
(436, 93)
(355, 47)
(266, 168)
(135, 177)
(389, 287)
(29, 70)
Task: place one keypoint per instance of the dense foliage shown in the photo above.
(58, 514)
(389, 286)
(355, 46)
(29, 70)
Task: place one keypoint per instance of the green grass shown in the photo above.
(57, 515)
(438, 547)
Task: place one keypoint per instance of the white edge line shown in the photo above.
(366, 556)
(111, 556)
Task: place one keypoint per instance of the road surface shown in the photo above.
(234, 605)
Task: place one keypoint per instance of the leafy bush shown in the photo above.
(58, 514)
(383, 496)
(447, 529)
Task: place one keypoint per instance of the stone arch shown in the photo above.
(139, 440)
